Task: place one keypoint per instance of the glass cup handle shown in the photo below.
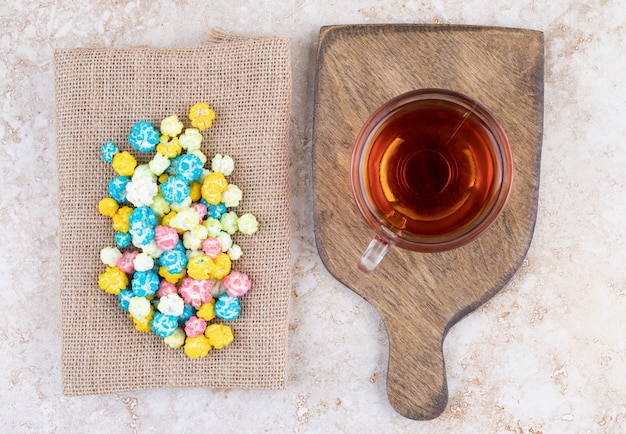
(373, 254)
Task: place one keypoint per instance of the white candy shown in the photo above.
(143, 262)
(141, 191)
(171, 304)
(223, 164)
(235, 252)
(232, 196)
(159, 164)
(110, 255)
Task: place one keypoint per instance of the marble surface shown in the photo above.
(546, 355)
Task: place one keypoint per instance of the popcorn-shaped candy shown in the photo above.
(122, 239)
(171, 304)
(143, 216)
(200, 232)
(213, 186)
(113, 280)
(198, 347)
(159, 205)
(185, 219)
(212, 247)
(117, 188)
(151, 249)
(124, 163)
(213, 226)
(143, 136)
(207, 311)
(188, 167)
(159, 164)
(141, 235)
(121, 219)
(124, 298)
(175, 189)
(176, 339)
(198, 153)
(108, 151)
(201, 267)
(247, 224)
(223, 164)
(190, 242)
(125, 262)
(108, 207)
(232, 196)
(235, 252)
(110, 255)
(194, 326)
(216, 211)
(143, 326)
(143, 262)
(141, 191)
(191, 139)
(227, 307)
(171, 126)
(195, 192)
(195, 292)
(219, 335)
(229, 222)
(188, 312)
(180, 206)
(163, 325)
(174, 260)
(169, 148)
(144, 171)
(225, 240)
(201, 116)
(140, 309)
(222, 266)
(236, 284)
(166, 237)
(170, 277)
(205, 173)
(145, 283)
(166, 288)
(201, 210)
(165, 221)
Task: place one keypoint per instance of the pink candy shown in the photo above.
(194, 326)
(236, 284)
(212, 247)
(196, 292)
(166, 237)
(201, 209)
(125, 263)
(165, 288)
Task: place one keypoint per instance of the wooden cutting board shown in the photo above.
(420, 296)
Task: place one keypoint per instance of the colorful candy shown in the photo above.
(173, 218)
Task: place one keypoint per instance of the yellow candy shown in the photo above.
(219, 335)
(222, 266)
(197, 347)
(121, 218)
(163, 178)
(195, 191)
(170, 148)
(108, 206)
(207, 311)
(176, 339)
(171, 278)
(124, 163)
(213, 186)
(142, 326)
(201, 116)
(201, 267)
(113, 280)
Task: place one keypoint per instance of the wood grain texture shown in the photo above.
(420, 296)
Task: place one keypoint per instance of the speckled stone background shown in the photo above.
(548, 354)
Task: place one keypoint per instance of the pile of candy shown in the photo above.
(171, 266)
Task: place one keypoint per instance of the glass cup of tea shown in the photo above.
(431, 170)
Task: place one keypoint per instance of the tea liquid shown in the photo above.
(430, 168)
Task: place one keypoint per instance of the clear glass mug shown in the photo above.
(431, 170)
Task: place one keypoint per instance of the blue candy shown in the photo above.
(163, 325)
(124, 297)
(117, 188)
(175, 190)
(188, 167)
(108, 151)
(141, 234)
(122, 239)
(145, 283)
(144, 137)
(174, 260)
(144, 216)
(216, 211)
(227, 307)
(188, 312)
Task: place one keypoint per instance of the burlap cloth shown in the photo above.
(100, 94)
